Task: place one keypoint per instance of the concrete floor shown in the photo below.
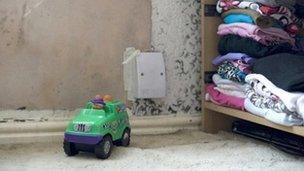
(181, 151)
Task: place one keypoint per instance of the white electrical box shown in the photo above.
(144, 74)
(151, 75)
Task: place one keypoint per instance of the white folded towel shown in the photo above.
(228, 84)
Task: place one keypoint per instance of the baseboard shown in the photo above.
(28, 132)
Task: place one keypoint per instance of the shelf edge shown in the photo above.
(298, 130)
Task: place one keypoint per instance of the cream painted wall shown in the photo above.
(55, 54)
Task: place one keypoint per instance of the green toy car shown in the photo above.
(97, 129)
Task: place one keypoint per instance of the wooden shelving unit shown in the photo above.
(216, 118)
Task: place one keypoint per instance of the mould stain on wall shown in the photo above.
(176, 33)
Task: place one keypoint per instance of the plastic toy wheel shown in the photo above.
(104, 148)
(69, 148)
(126, 137)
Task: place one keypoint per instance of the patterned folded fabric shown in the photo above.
(276, 3)
(267, 21)
(292, 101)
(285, 12)
(228, 70)
(266, 100)
(242, 66)
(280, 12)
(288, 23)
(261, 97)
(225, 5)
(275, 117)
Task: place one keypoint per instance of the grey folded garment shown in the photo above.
(284, 70)
(274, 3)
(300, 2)
(299, 8)
(234, 43)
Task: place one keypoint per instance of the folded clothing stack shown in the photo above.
(258, 69)
(228, 88)
(272, 23)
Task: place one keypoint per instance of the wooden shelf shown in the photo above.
(298, 130)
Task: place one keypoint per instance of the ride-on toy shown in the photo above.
(102, 123)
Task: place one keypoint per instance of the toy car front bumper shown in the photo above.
(82, 139)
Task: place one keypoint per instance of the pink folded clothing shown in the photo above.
(266, 36)
(223, 99)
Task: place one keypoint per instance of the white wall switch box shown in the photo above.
(151, 75)
(144, 74)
